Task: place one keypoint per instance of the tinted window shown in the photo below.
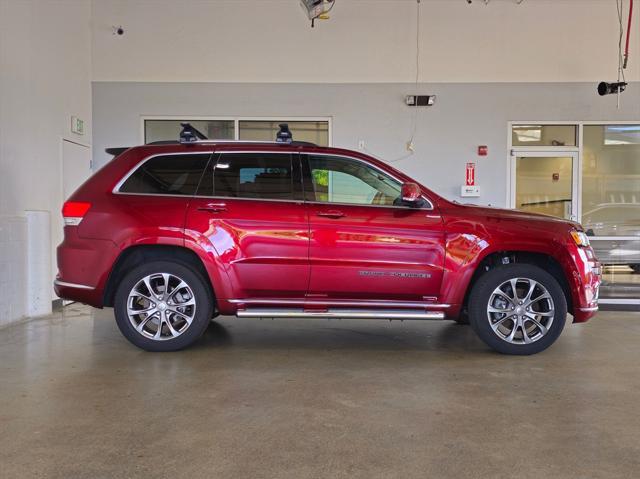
(253, 175)
(343, 180)
(168, 175)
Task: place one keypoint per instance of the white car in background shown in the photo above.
(613, 220)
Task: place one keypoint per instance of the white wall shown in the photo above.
(365, 41)
(45, 77)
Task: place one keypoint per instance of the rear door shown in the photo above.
(249, 210)
(364, 244)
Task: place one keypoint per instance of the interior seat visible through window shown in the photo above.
(254, 175)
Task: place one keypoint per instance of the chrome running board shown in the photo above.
(339, 314)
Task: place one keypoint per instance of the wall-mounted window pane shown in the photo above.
(258, 130)
(611, 204)
(544, 135)
(163, 130)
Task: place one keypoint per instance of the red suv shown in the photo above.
(173, 234)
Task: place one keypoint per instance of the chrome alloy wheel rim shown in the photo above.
(161, 306)
(520, 311)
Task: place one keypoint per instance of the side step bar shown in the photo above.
(340, 314)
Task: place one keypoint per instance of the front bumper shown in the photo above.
(586, 288)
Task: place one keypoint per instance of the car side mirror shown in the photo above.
(410, 194)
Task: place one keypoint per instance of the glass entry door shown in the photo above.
(546, 182)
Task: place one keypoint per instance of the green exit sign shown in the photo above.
(77, 125)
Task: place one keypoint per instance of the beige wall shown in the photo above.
(45, 78)
(365, 41)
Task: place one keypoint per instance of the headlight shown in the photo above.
(580, 238)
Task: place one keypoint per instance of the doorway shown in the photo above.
(546, 182)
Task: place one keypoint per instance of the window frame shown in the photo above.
(301, 178)
(137, 166)
(308, 183)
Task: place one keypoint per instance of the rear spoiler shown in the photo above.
(116, 151)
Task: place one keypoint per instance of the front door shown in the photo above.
(249, 212)
(364, 245)
(546, 182)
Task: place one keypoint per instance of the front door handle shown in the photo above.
(213, 207)
(331, 214)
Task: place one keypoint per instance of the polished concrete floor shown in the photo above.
(316, 398)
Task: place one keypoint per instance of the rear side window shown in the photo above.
(254, 175)
(167, 175)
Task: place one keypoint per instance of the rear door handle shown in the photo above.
(331, 214)
(213, 207)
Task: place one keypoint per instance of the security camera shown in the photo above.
(605, 88)
(118, 31)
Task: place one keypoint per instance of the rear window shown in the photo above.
(253, 175)
(167, 175)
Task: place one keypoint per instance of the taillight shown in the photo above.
(74, 211)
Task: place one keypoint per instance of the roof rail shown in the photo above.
(163, 142)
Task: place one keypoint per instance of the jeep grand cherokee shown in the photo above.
(173, 234)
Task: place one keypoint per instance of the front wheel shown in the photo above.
(517, 309)
(163, 306)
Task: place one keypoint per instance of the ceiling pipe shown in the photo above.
(626, 47)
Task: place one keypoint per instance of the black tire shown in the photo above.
(202, 294)
(463, 318)
(482, 293)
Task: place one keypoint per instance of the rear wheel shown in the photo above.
(163, 306)
(517, 309)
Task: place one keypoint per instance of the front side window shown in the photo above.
(254, 175)
(167, 175)
(343, 180)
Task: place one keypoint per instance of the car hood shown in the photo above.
(505, 213)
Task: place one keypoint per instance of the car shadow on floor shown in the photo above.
(318, 334)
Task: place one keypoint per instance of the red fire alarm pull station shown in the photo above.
(483, 150)
(471, 174)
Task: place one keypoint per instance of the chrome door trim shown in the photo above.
(116, 188)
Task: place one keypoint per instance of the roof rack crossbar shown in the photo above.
(284, 134)
(190, 134)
